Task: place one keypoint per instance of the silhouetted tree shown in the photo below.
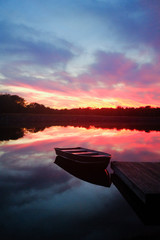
(15, 104)
(36, 108)
(11, 103)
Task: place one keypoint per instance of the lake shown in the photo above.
(40, 200)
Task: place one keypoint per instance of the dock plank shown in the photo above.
(143, 178)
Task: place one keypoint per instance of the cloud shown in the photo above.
(133, 22)
(21, 45)
(114, 67)
(100, 53)
(115, 75)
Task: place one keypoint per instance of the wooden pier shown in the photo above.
(139, 183)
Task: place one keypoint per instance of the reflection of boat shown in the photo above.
(84, 156)
(85, 172)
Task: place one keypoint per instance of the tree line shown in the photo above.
(15, 104)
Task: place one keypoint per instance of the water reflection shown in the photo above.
(11, 133)
(88, 173)
(124, 145)
(118, 123)
(39, 199)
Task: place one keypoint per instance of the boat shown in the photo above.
(84, 156)
(97, 176)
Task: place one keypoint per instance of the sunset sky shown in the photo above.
(79, 53)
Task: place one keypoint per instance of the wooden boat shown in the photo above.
(84, 156)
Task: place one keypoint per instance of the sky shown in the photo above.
(83, 53)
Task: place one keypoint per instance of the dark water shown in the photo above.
(40, 200)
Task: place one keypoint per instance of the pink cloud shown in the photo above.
(111, 81)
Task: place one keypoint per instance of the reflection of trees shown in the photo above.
(11, 133)
(36, 129)
(37, 125)
(14, 133)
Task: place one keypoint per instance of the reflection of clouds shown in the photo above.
(123, 145)
(32, 183)
(85, 212)
(136, 156)
(28, 175)
(101, 138)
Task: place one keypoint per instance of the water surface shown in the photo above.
(40, 200)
